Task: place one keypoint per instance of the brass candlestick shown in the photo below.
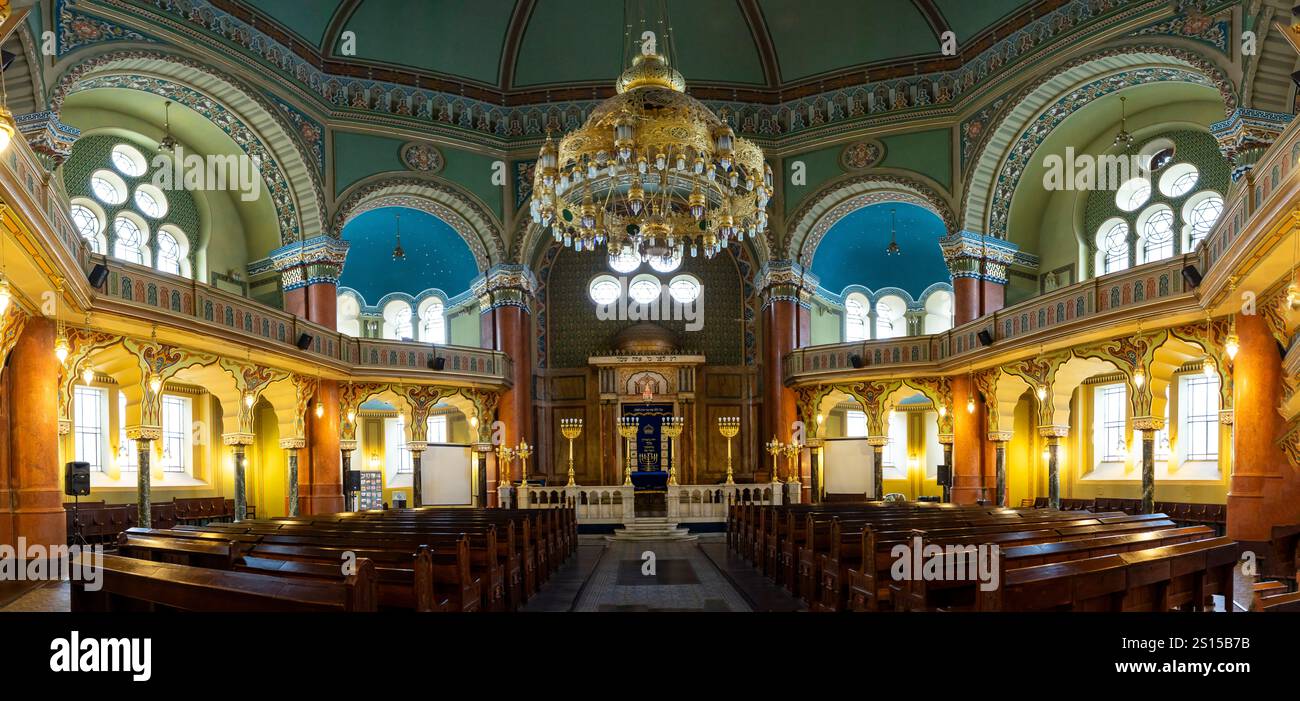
(791, 467)
(504, 456)
(627, 428)
(729, 426)
(571, 428)
(774, 449)
(672, 427)
(523, 450)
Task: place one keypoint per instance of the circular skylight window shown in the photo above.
(128, 160)
(604, 289)
(108, 187)
(666, 265)
(644, 289)
(625, 262)
(151, 201)
(685, 289)
(1133, 194)
(1179, 180)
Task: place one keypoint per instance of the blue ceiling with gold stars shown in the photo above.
(853, 251)
(436, 256)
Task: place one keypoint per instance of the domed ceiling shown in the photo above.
(522, 46)
(853, 251)
(436, 256)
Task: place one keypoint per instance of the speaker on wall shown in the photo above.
(986, 338)
(76, 479)
(856, 360)
(437, 363)
(304, 341)
(354, 481)
(944, 475)
(98, 275)
(1192, 276)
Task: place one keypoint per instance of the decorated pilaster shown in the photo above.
(250, 380)
(421, 399)
(1246, 134)
(978, 265)
(872, 396)
(304, 388)
(485, 411)
(506, 294)
(1000, 440)
(309, 273)
(808, 405)
(1054, 434)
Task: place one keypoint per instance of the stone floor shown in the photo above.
(691, 576)
(50, 596)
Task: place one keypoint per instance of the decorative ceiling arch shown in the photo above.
(1037, 110)
(250, 121)
(479, 229)
(809, 225)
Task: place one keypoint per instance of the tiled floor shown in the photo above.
(687, 576)
(51, 596)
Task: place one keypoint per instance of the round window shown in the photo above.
(604, 289)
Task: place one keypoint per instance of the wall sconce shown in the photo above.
(1139, 378)
(249, 399)
(352, 416)
(1041, 392)
(970, 405)
(88, 375)
(374, 461)
(155, 383)
(1047, 454)
(320, 410)
(820, 419)
(943, 411)
(1232, 344)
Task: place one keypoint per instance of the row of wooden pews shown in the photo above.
(427, 559)
(839, 557)
(1186, 513)
(100, 522)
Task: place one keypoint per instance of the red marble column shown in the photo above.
(781, 329)
(1265, 490)
(36, 491)
(513, 333)
(966, 300)
(968, 451)
(323, 492)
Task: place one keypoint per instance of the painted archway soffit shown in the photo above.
(259, 128)
(1036, 30)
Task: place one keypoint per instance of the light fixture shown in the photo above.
(249, 398)
(320, 410)
(61, 349)
(1047, 455)
(167, 144)
(374, 461)
(943, 411)
(5, 294)
(653, 171)
(1207, 367)
(473, 422)
(1232, 344)
(970, 405)
(88, 375)
(1139, 378)
(352, 416)
(1123, 139)
(399, 253)
(155, 383)
(1041, 392)
(820, 419)
(892, 249)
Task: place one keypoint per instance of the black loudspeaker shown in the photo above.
(1295, 77)
(304, 341)
(986, 338)
(856, 360)
(98, 275)
(354, 481)
(437, 363)
(944, 476)
(1192, 276)
(76, 479)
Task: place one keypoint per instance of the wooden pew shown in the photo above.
(129, 584)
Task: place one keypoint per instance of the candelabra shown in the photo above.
(774, 449)
(571, 428)
(791, 464)
(504, 457)
(729, 426)
(672, 427)
(523, 450)
(627, 428)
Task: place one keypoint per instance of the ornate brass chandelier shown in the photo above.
(653, 172)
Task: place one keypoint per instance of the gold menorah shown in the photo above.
(627, 428)
(774, 448)
(504, 457)
(672, 427)
(791, 467)
(729, 426)
(571, 428)
(523, 450)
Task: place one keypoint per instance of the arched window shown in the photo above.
(1132, 194)
(151, 201)
(130, 238)
(938, 312)
(644, 289)
(90, 225)
(433, 321)
(173, 251)
(1112, 246)
(1201, 212)
(685, 289)
(108, 187)
(1179, 180)
(397, 321)
(128, 160)
(1156, 226)
(890, 322)
(348, 310)
(855, 317)
(604, 289)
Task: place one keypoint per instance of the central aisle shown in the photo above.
(688, 576)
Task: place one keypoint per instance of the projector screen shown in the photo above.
(848, 466)
(445, 475)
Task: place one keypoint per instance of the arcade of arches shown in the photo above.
(238, 264)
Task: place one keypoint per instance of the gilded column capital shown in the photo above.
(1054, 431)
(296, 443)
(972, 255)
(237, 438)
(315, 260)
(1000, 436)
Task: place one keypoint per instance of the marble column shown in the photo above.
(309, 274)
(291, 446)
(814, 470)
(417, 450)
(878, 444)
(36, 495)
(506, 294)
(325, 492)
(482, 485)
(1265, 487)
(143, 480)
(346, 448)
(946, 440)
(1000, 439)
(1053, 473)
(978, 265)
(239, 443)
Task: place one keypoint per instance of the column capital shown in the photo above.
(785, 281)
(1000, 436)
(973, 255)
(505, 285)
(1054, 431)
(947, 438)
(416, 446)
(295, 443)
(877, 441)
(1246, 134)
(305, 263)
(345, 445)
(1148, 423)
(237, 438)
(49, 137)
(144, 433)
